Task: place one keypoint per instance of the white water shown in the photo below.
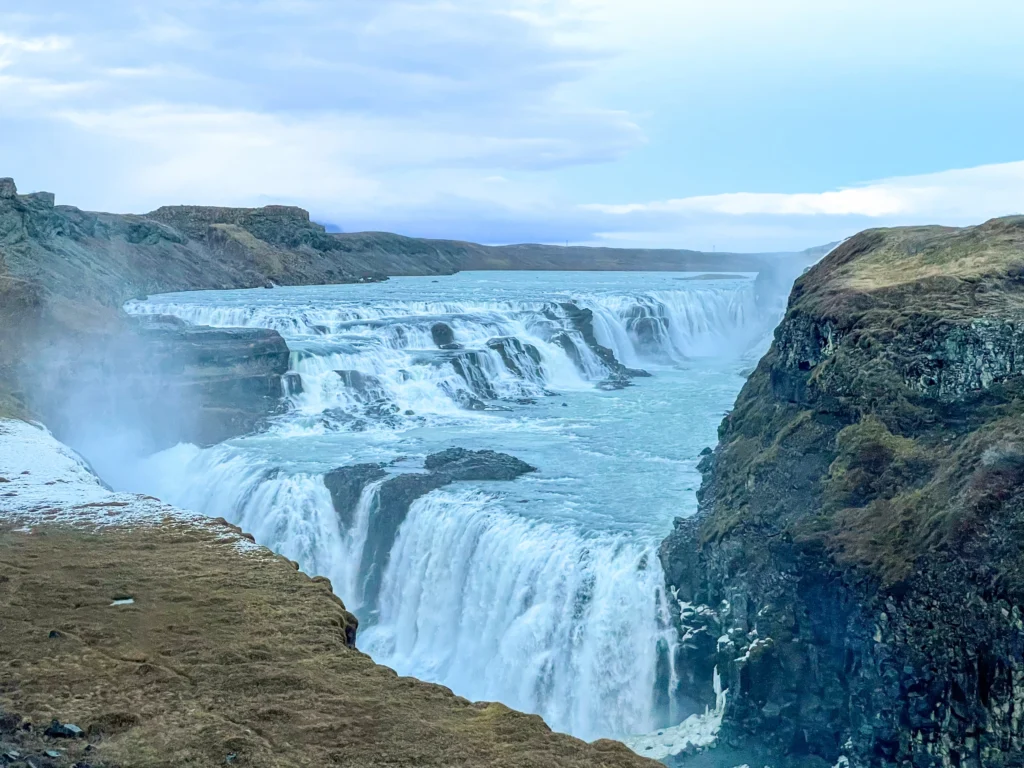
(545, 593)
(564, 628)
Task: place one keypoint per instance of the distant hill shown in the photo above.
(108, 258)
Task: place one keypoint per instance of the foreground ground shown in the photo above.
(226, 655)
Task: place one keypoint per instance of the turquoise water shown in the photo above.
(546, 592)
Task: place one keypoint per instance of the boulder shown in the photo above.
(8, 189)
(443, 335)
(462, 464)
(58, 730)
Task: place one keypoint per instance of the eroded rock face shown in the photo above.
(583, 321)
(855, 570)
(162, 381)
(8, 189)
(397, 494)
(519, 357)
(346, 485)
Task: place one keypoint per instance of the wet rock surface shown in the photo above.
(443, 336)
(346, 485)
(854, 572)
(583, 321)
(397, 494)
(460, 464)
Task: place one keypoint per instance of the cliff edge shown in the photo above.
(856, 570)
(158, 637)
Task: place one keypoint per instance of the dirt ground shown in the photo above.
(226, 658)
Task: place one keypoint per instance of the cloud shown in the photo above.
(45, 44)
(956, 195)
(343, 105)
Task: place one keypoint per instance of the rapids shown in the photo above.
(544, 593)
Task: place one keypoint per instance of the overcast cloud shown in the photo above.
(602, 121)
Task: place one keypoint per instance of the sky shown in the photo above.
(748, 125)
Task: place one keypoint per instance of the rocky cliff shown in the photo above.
(856, 570)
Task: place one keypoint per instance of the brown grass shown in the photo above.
(228, 654)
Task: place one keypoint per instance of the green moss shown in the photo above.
(862, 453)
(872, 463)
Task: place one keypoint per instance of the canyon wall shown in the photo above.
(855, 572)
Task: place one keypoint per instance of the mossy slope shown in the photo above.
(865, 507)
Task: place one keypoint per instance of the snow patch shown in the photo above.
(43, 482)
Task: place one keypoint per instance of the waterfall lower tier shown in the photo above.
(473, 596)
(547, 621)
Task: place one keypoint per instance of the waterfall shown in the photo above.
(475, 597)
(366, 365)
(551, 605)
(491, 604)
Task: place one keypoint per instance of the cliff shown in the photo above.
(110, 258)
(855, 571)
(169, 639)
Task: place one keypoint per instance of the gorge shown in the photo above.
(483, 466)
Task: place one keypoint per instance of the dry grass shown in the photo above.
(227, 654)
(967, 272)
(911, 254)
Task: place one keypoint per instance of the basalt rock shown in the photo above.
(443, 336)
(855, 570)
(397, 494)
(582, 320)
(520, 358)
(346, 485)
(461, 464)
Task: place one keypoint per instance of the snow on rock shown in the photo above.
(695, 732)
(42, 481)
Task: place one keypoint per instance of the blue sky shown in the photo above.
(735, 124)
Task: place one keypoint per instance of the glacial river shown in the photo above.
(546, 592)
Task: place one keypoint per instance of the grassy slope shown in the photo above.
(891, 400)
(225, 653)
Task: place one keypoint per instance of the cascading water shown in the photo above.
(545, 593)
(564, 628)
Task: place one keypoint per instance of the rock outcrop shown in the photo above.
(856, 570)
(582, 320)
(396, 495)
